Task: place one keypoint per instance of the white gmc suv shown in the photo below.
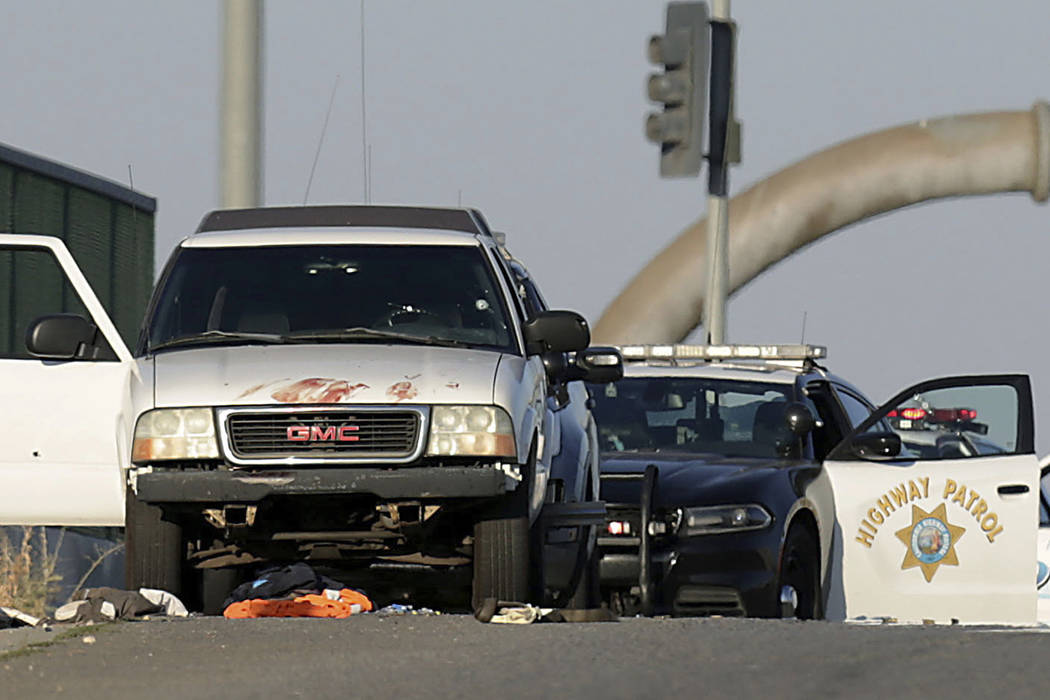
(356, 386)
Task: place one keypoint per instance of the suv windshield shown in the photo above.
(730, 418)
(432, 294)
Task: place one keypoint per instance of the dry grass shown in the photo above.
(28, 579)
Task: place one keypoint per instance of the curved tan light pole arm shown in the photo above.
(849, 182)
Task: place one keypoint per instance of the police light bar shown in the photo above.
(908, 413)
(951, 415)
(723, 352)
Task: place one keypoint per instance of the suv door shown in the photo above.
(63, 451)
(927, 526)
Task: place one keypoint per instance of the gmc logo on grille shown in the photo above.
(315, 433)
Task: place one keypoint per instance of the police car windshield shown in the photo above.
(703, 416)
(319, 293)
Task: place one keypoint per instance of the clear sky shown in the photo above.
(534, 111)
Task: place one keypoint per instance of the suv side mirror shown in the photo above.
(556, 331)
(60, 337)
(599, 365)
(799, 420)
(876, 445)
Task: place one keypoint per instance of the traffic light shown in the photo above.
(682, 88)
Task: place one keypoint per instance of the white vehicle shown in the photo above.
(777, 489)
(1043, 556)
(352, 385)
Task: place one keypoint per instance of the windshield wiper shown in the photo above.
(216, 336)
(362, 333)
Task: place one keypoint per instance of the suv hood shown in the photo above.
(328, 373)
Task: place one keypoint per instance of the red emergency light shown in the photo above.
(951, 415)
(908, 413)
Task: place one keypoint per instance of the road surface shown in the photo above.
(455, 656)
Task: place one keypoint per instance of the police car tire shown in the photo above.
(152, 548)
(800, 567)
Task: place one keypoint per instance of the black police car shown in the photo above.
(732, 448)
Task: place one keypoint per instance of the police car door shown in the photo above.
(936, 506)
(62, 451)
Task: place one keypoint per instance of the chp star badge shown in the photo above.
(930, 540)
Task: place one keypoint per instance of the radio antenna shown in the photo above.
(803, 340)
(364, 122)
(320, 141)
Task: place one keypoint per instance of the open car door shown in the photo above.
(64, 433)
(937, 506)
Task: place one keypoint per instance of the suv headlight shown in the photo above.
(713, 520)
(470, 431)
(175, 433)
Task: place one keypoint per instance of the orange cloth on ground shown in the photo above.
(312, 605)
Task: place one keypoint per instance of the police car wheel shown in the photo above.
(800, 569)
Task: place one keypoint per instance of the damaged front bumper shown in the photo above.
(226, 486)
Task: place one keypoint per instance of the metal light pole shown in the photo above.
(724, 149)
(240, 164)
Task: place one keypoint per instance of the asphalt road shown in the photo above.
(456, 656)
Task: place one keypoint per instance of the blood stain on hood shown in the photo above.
(317, 390)
(402, 391)
(252, 390)
(340, 390)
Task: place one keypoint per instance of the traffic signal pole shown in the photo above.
(723, 149)
(692, 36)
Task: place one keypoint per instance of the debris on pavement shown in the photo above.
(515, 613)
(11, 617)
(329, 603)
(283, 582)
(402, 609)
(173, 607)
(294, 591)
(92, 605)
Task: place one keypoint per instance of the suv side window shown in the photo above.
(534, 303)
(512, 285)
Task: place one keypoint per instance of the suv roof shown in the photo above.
(446, 219)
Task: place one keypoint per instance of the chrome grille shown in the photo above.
(333, 434)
